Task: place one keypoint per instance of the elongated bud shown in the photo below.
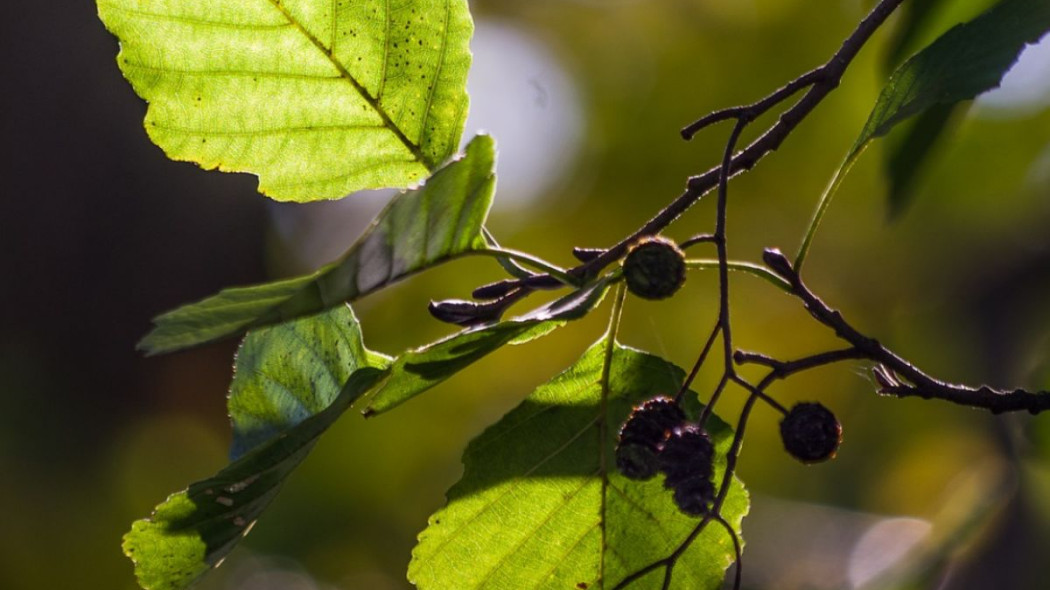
(587, 254)
(495, 290)
(778, 263)
(464, 313)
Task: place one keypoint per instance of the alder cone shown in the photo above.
(811, 433)
(641, 437)
(687, 453)
(694, 495)
(650, 422)
(636, 461)
(654, 268)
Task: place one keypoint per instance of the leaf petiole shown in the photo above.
(555, 272)
(740, 266)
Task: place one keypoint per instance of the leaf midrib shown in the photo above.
(417, 152)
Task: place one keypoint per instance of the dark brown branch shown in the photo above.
(831, 74)
(783, 369)
(919, 383)
(820, 81)
(755, 110)
(697, 239)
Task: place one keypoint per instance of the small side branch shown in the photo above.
(820, 82)
(906, 379)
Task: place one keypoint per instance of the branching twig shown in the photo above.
(831, 74)
(919, 383)
(820, 81)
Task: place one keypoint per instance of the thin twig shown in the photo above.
(919, 383)
(722, 245)
(736, 549)
(741, 266)
(766, 143)
(756, 109)
(699, 363)
(697, 239)
(820, 81)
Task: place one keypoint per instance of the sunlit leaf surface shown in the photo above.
(291, 371)
(318, 98)
(287, 391)
(420, 228)
(541, 505)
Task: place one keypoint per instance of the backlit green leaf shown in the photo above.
(906, 157)
(541, 505)
(419, 229)
(291, 371)
(193, 530)
(317, 97)
(418, 370)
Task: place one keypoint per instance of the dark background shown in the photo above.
(99, 232)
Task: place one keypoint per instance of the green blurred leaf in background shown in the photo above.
(969, 59)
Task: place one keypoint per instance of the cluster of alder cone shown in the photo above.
(658, 438)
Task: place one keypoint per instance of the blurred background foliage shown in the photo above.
(100, 232)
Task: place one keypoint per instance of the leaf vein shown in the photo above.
(381, 163)
(531, 533)
(272, 131)
(193, 20)
(558, 562)
(412, 147)
(495, 501)
(237, 73)
(437, 71)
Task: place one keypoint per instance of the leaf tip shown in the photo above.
(148, 345)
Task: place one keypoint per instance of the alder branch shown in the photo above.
(893, 366)
(820, 81)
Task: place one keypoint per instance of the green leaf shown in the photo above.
(418, 370)
(540, 504)
(193, 530)
(906, 157)
(419, 229)
(965, 61)
(286, 373)
(319, 98)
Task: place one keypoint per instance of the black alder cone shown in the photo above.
(654, 268)
(811, 433)
(636, 461)
(693, 495)
(687, 453)
(650, 422)
(641, 438)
